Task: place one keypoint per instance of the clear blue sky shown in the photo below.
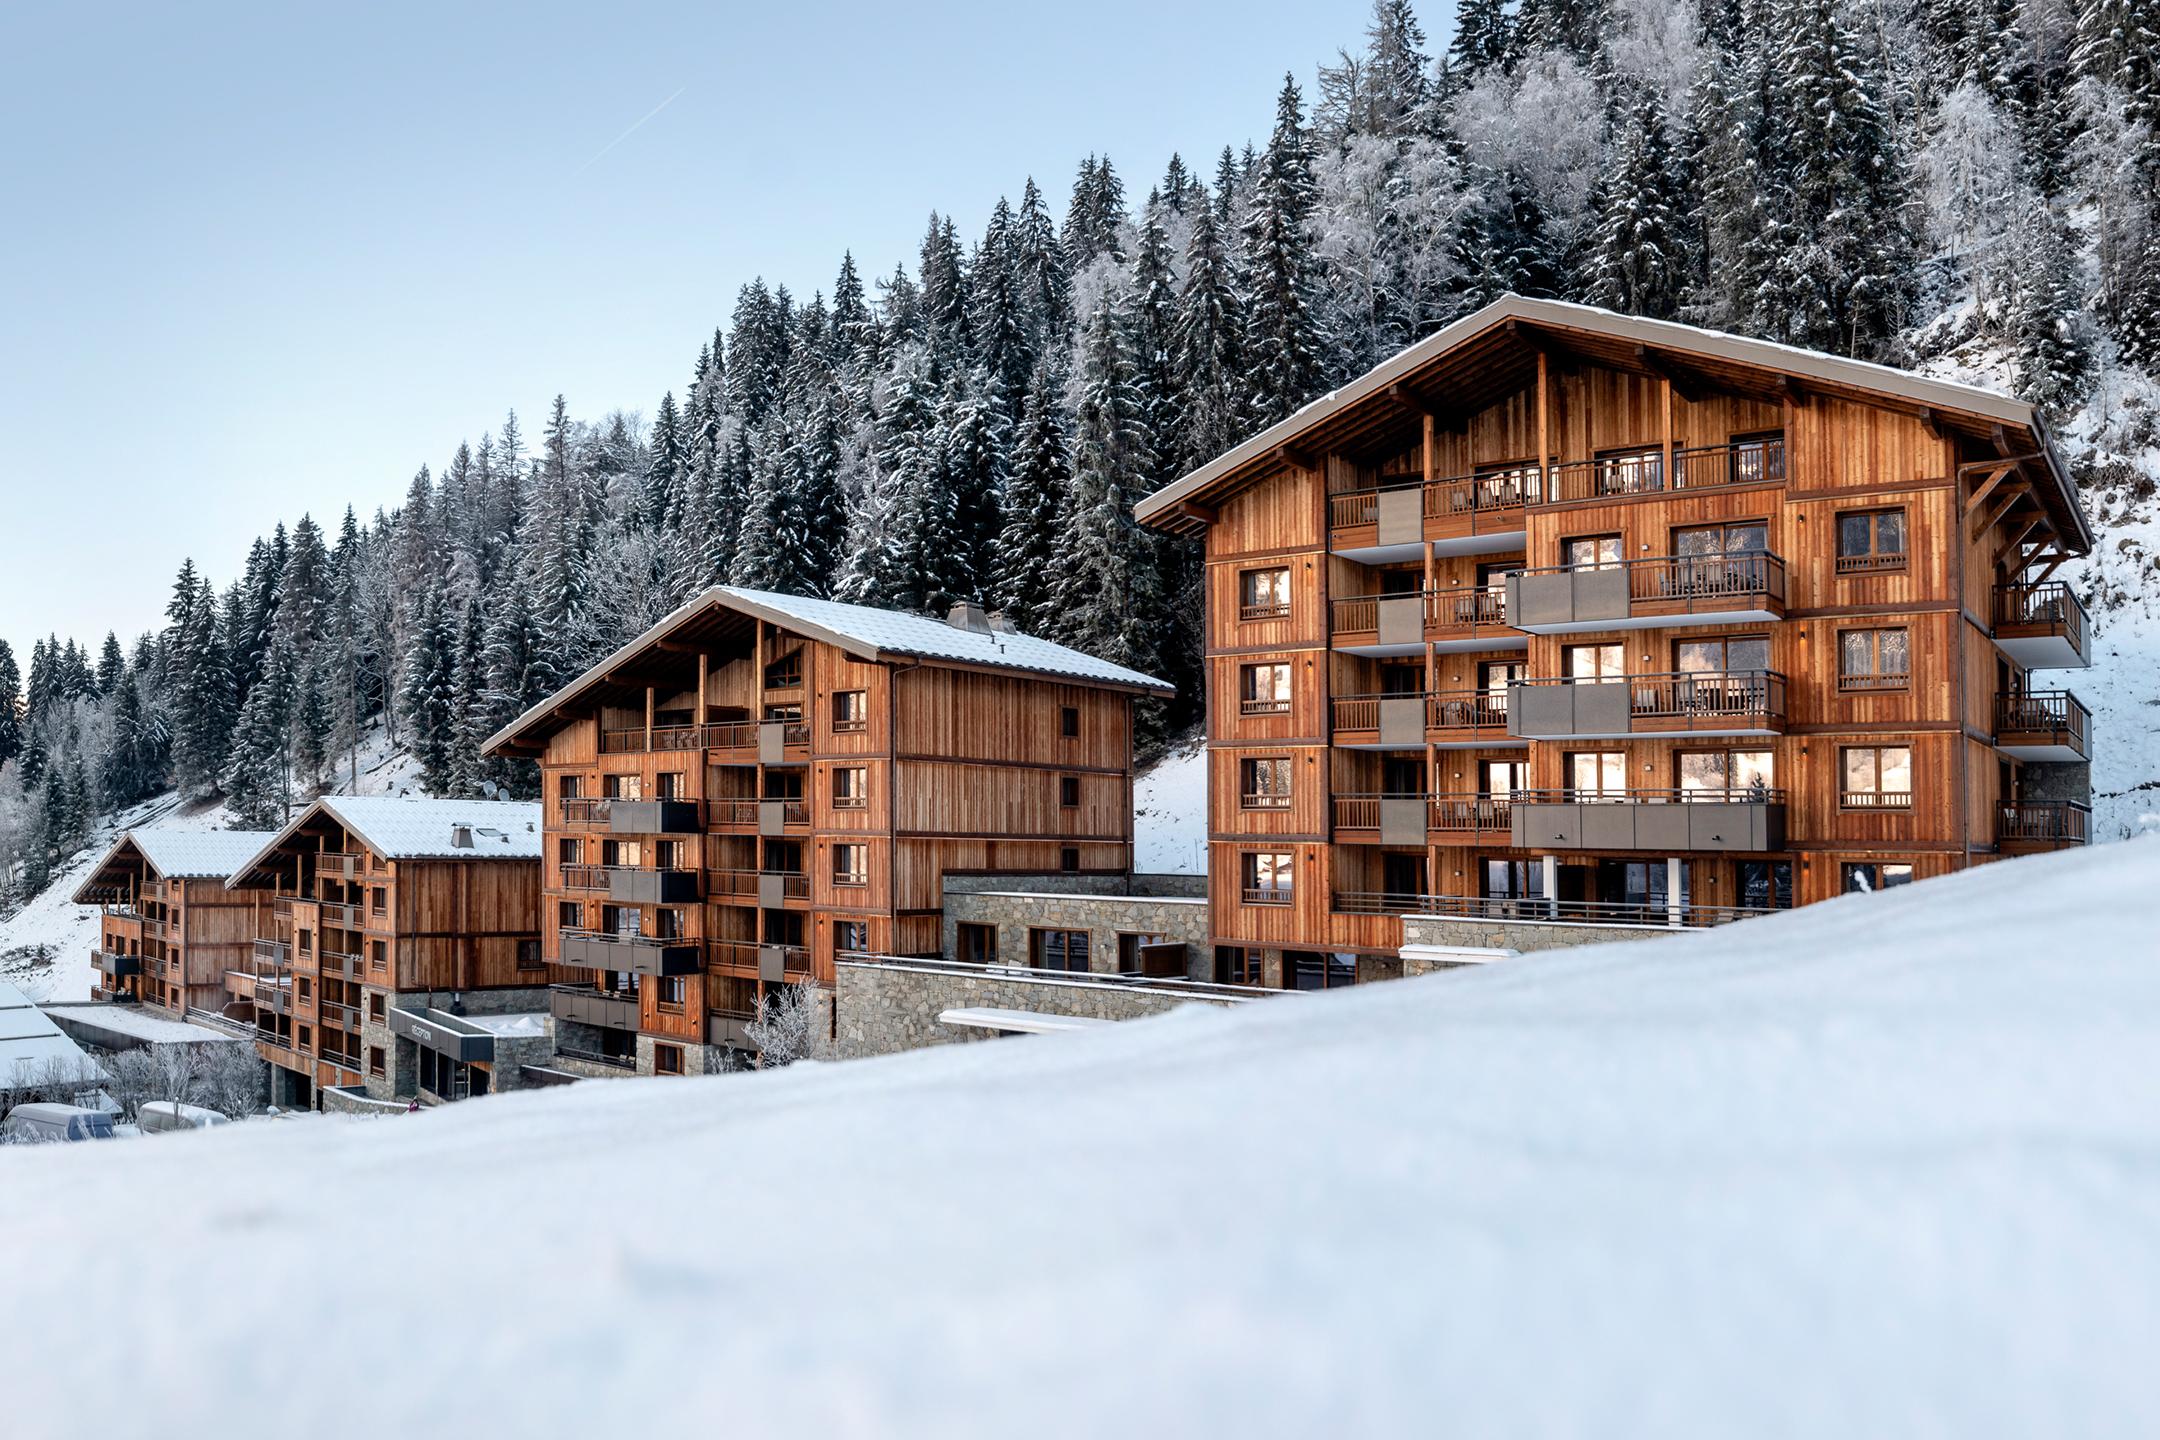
(261, 259)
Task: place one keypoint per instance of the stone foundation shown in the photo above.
(882, 1009)
(1520, 935)
(1014, 912)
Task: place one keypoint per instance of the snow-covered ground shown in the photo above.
(45, 946)
(1170, 813)
(1886, 1165)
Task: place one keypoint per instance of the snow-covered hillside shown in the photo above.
(1170, 812)
(45, 946)
(1885, 1165)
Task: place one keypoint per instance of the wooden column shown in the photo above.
(648, 718)
(1672, 481)
(1544, 437)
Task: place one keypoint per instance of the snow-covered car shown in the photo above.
(159, 1116)
(43, 1121)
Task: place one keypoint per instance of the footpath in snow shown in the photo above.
(1888, 1165)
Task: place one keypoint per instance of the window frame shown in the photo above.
(844, 723)
(1251, 798)
(1068, 792)
(1249, 609)
(1569, 542)
(1849, 798)
(851, 877)
(1039, 949)
(1250, 702)
(856, 794)
(1874, 560)
(1878, 868)
(1282, 886)
(1877, 679)
(1068, 722)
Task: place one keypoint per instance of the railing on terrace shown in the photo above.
(1692, 578)
(2043, 712)
(795, 884)
(2048, 607)
(1491, 491)
(1467, 710)
(1539, 908)
(277, 952)
(1683, 795)
(1456, 607)
(1641, 471)
(1477, 813)
(281, 907)
(629, 937)
(1695, 697)
(596, 1057)
(584, 877)
(794, 959)
(723, 735)
(2045, 822)
(1118, 980)
(796, 811)
(584, 810)
(1267, 895)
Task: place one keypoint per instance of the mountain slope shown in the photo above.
(1885, 1164)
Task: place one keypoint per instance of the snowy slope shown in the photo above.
(1886, 1165)
(45, 946)
(1170, 812)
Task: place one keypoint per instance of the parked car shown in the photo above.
(42, 1121)
(159, 1116)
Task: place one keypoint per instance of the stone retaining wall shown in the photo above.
(343, 1100)
(1104, 917)
(1058, 883)
(884, 1009)
(1522, 935)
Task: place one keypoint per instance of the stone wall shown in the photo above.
(1522, 935)
(884, 1009)
(1057, 883)
(698, 1058)
(2051, 781)
(352, 1100)
(513, 1053)
(1104, 917)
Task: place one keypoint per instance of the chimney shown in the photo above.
(1001, 622)
(461, 837)
(967, 615)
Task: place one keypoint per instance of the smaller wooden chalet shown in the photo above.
(171, 931)
(399, 949)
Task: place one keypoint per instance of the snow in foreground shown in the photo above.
(1890, 1165)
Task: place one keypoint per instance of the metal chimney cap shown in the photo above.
(969, 615)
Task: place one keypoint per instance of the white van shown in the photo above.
(159, 1116)
(43, 1121)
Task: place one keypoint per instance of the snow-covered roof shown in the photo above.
(128, 1022)
(1646, 338)
(864, 631)
(523, 1022)
(175, 855)
(30, 1043)
(402, 828)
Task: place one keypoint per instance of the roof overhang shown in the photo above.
(716, 616)
(113, 871)
(256, 872)
(1482, 358)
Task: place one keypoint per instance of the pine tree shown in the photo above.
(1042, 279)
(258, 784)
(1484, 40)
(854, 331)
(2053, 351)
(112, 665)
(11, 706)
(1284, 348)
(425, 694)
(661, 504)
(1207, 351)
(1639, 263)
(1026, 553)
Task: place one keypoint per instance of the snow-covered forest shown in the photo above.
(1966, 186)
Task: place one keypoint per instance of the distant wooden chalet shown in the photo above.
(399, 951)
(1565, 615)
(170, 932)
(762, 782)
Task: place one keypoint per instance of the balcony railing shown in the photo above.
(344, 1017)
(580, 811)
(277, 952)
(1559, 598)
(2043, 824)
(2043, 719)
(791, 884)
(1267, 895)
(1641, 471)
(661, 738)
(584, 877)
(346, 917)
(1477, 814)
(1471, 710)
(1442, 614)
(1492, 492)
(1721, 701)
(1684, 795)
(1538, 908)
(2041, 625)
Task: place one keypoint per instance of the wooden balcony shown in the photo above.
(1478, 514)
(590, 1005)
(1704, 704)
(771, 961)
(2043, 725)
(1504, 909)
(338, 865)
(759, 817)
(1452, 720)
(654, 817)
(1468, 719)
(759, 742)
(1640, 471)
(1418, 819)
(340, 965)
(638, 885)
(2042, 627)
(345, 917)
(584, 877)
(632, 954)
(581, 813)
(771, 889)
(1665, 822)
(1469, 617)
(1646, 594)
(2024, 827)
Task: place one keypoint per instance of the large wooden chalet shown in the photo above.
(1564, 615)
(169, 932)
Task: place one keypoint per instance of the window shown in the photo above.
(569, 914)
(1594, 662)
(1877, 777)
(1269, 876)
(1590, 552)
(1722, 655)
(375, 1060)
(1735, 537)
(375, 1008)
(1069, 859)
(569, 787)
(850, 712)
(1870, 540)
(1502, 778)
(1058, 949)
(851, 937)
(378, 901)
(1069, 721)
(667, 1059)
(976, 944)
(1861, 877)
(528, 955)
(1264, 784)
(622, 787)
(1238, 965)
(851, 787)
(1874, 659)
(674, 992)
(378, 955)
(668, 785)
(784, 673)
(621, 854)
(1634, 471)
(1739, 773)
(670, 925)
(1597, 774)
(306, 989)
(851, 864)
(307, 1037)
(1263, 594)
(668, 855)
(1766, 884)
(569, 851)
(1720, 559)
(1264, 689)
(1318, 970)
(1069, 792)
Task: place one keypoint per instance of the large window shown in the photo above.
(1318, 969)
(1870, 540)
(674, 991)
(1501, 778)
(1264, 784)
(1636, 470)
(1590, 552)
(569, 787)
(1597, 774)
(622, 787)
(851, 864)
(1877, 777)
(1264, 689)
(1263, 594)
(1722, 654)
(851, 787)
(851, 937)
(1058, 949)
(1594, 662)
(1861, 877)
(1745, 771)
(1269, 876)
(850, 711)
(977, 943)
(1766, 884)
(1735, 537)
(1874, 659)
(569, 850)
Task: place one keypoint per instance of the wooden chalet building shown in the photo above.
(170, 932)
(763, 781)
(1564, 615)
(399, 948)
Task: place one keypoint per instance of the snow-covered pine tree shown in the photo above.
(426, 688)
(769, 556)
(10, 706)
(975, 436)
(666, 459)
(1284, 348)
(1025, 557)
(1003, 338)
(1043, 278)
(1484, 40)
(112, 665)
(1639, 262)
(258, 780)
(1207, 351)
(2047, 323)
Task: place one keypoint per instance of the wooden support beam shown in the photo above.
(1400, 394)
(2017, 540)
(1301, 459)
(1544, 419)
(1932, 421)
(1790, 390)
(2055, 562)
(2003, 507)
(1201, 514)
(1987, 487)
(1685, 383)
(1546, 346)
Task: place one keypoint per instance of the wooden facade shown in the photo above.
(735, 799)
(168, 936)
(1562, 615)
